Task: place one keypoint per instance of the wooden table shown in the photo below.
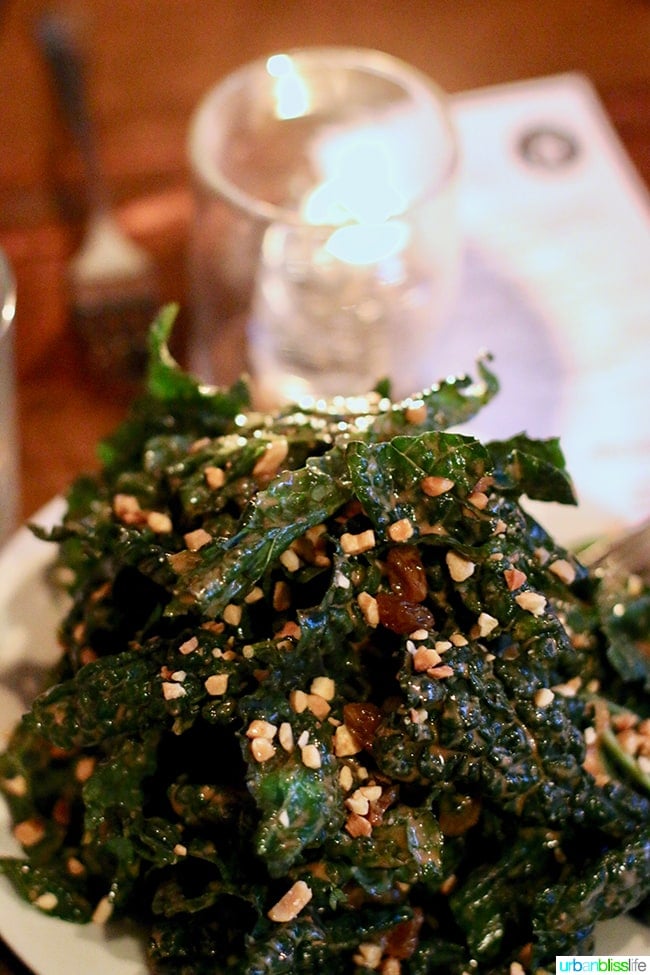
(149, 63)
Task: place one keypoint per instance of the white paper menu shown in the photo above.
(555, 282)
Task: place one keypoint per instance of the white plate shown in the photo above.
(29, 614)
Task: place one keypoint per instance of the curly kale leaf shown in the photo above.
(535, 468)
(299, 806)
(387, 476)
(566, 913)
(293, 502)
(117, 695)
(50, 888)
(446, 404)
(173, 401)
(491, 904)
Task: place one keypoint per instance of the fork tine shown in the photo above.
(629, 551)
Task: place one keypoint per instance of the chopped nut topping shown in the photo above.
(448, 884)
(285, 736)
(369, 608)
(298, 701)
(103, 911)
(127, 508)
(197, 539)
(15, 786)
(486, 624)
(479, 499)
(357, 544)
(401, 531)
(515, 578)
(269, 463)
(543, 697)
(358, 825)
(570, 688)
(425, 657)
(281, 596)
(290, 560)
(189, 646)
(172, 691)
(532, 602)
(29, 832)
(369, 955)
(439, 673)
(416, 412)
(262, 749)
(371, 792)
(345, 743)
(254, 595)
(47, 901)
(418, 716)
(232, 614)
(346, 780)
(459, 568)
(433, 486)
(419, 635)
(458, 640)
(310, 756)
(180, 850)
(258, 728)
(159, 523)
(563, 569)
(215, 477)
(216, 684)
(292, 903)
(318, 706)
(75, 867)
(84, 768)
(324, 687)
(358, 803)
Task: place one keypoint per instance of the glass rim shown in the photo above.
(366, 60)
(7, 293)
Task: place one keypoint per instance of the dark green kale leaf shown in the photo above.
(446, 404)
(299, 806)
(614, 883)
(536, 468)
(293, 502)
(173, 402)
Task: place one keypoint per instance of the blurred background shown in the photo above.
(148, 64)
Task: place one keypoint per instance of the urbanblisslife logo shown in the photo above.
(603, 963)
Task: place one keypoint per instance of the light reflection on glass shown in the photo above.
(292, 99)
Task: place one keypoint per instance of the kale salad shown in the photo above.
(329, 698)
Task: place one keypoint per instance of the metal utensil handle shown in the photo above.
(59, 45)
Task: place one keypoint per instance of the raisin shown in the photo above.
(362, 719)
(458, 814)
(402, 616)
(379, 806)
(403, 939)
(406, 573)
